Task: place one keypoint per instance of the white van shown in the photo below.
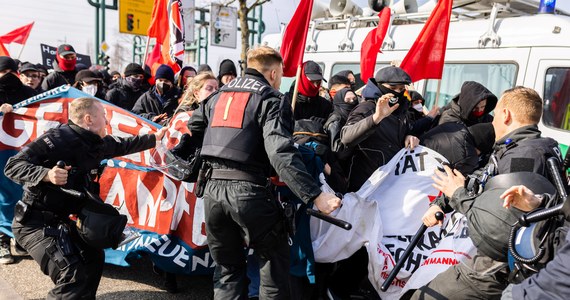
(498, 48)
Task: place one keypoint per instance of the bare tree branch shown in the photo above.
(256, 3)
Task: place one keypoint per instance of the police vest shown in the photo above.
(234, 132)
(84, 157)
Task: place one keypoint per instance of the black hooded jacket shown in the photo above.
(12, 90)
(459, 109)
(123, 95)
(149, 106)
(58, 77)
(373, 145)
(309, 107)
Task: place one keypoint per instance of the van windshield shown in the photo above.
(497, 77)
(556, 111)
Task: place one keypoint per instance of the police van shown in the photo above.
(500, 44)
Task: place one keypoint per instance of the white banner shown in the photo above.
(385, 213)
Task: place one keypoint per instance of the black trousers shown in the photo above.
(238, 214)
(79, 280)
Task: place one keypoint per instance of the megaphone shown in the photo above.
(398, 6)
(344, 7)
(320, 10)
(426, 5)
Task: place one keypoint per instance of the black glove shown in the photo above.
(183, 149)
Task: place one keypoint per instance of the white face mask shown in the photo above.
(419, 107)
(90, 89)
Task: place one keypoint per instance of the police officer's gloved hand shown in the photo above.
(317, 119)
(183, 149)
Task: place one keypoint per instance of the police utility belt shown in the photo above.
(234, 174)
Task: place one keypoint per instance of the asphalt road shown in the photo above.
(137, 282)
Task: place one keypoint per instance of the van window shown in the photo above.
(556, 112)
(496, 77)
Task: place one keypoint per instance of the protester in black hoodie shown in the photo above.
(64, 68)
(227, 72)
(309, 104)
(126, 91)
(159, 103)
(344, 101)
(12, 90)
(471, 106)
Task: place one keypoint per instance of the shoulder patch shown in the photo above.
(48, 142)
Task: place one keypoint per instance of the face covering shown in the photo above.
(402, 100)
(418, 107)
(306, 87)
(134, 83)
(477, 114)
(162, 87)
(90, 89)
(10, 81)
(66, 64)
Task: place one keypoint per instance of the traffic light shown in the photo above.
(217, 36)
(130, 22)
(105, 62)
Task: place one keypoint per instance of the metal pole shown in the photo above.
(97, 32)
(103, 8)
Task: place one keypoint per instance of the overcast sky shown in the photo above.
(72, 21)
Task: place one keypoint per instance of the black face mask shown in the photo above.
(10, 81)
(134, 83)
(162, 88)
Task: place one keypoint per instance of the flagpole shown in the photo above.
(146, 52)
(21, 50)
(296, 90)
(437, 93)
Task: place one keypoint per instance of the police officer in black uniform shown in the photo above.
(246, 130)
(520, 154)
(42, 224)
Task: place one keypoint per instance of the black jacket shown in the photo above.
(15, 92)
(78, 148)
(455, 143)
(373, 145)
(123, 96)
(307, 107)
(460, 107)
(149, 106)
(58, 77)
(274, 121)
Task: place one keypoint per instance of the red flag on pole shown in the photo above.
(158, 28)
(167, 28)
(427, 55)
(3, 50)
(372, 44)
(294, 38)
(18, 35)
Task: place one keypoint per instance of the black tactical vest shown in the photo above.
(234, 132)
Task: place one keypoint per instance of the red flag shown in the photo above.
(18, 35)
(158, 28)
(294, 38)
(425, 58)
(3, 50)
(372, 44)
(167, 28)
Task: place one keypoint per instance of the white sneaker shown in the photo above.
(5, 255)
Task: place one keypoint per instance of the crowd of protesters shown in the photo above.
(356, 130)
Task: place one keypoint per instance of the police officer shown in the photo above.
(74, 267)
(519, 148)
(246, 129)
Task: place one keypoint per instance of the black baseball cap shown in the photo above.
(27, 67)
(313, 71)
(87, 76)
(65, 49)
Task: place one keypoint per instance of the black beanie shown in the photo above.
(133, 69)
(164, 72)
(227, 67)
(483, 136)
(6, 62)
